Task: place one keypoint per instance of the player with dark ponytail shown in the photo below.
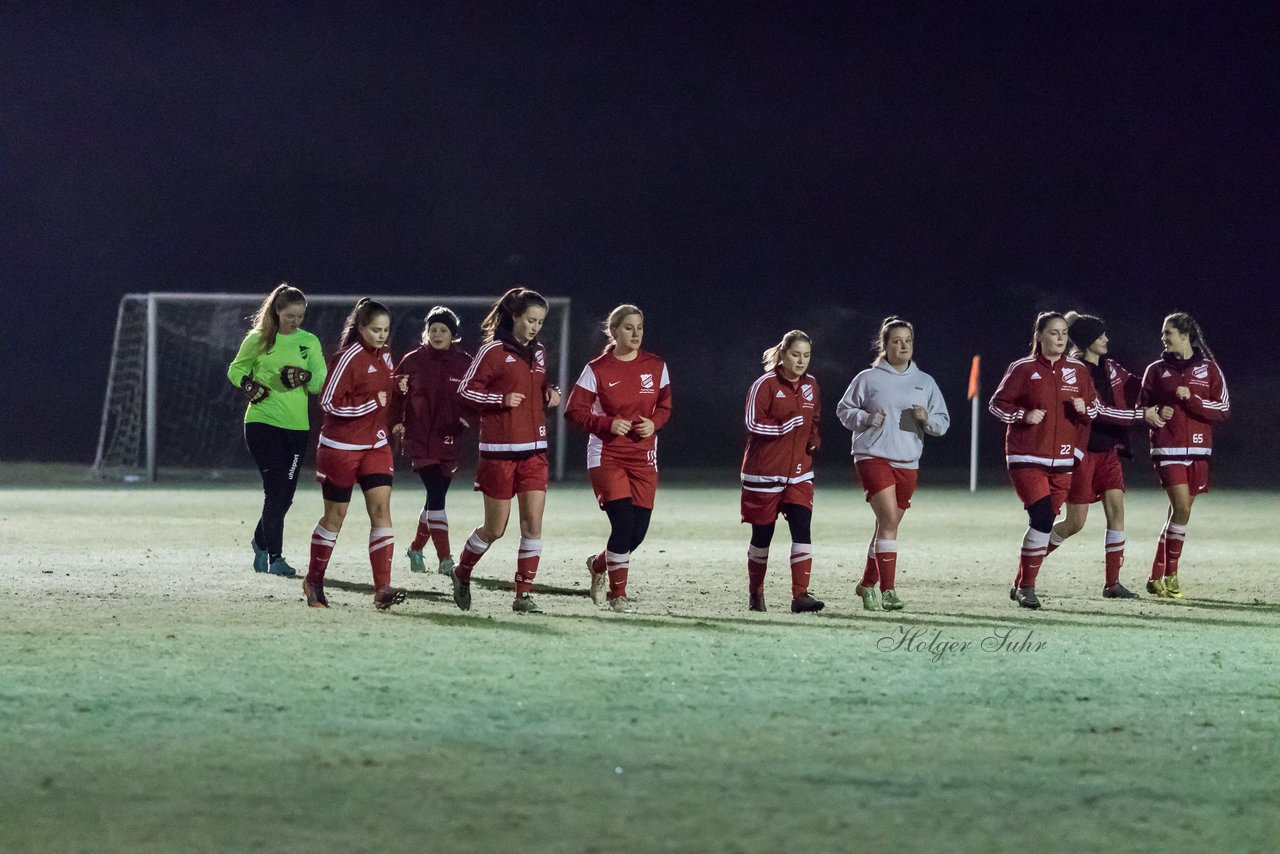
(279, 363)
(354, 449)
(1184, 394)
(1045, 399)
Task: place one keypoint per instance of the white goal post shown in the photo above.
(170, 409)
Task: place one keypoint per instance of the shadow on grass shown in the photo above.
(538, 589)
(367, 589)
(529, 625)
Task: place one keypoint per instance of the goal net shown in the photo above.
(170, 410)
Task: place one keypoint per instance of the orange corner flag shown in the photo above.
(973, 378)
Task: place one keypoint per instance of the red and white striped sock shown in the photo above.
(439, 532)
(423, 533)
(599, 563)
(801, 566)
(1115, 556)
(1176, 535)
(1158, 562)
(322, 543)
(887, 563)
(527, 564)
(617, 566)
(757, 563)
(870, 572)
(1034, 546)
(471, 554)
(381, 548)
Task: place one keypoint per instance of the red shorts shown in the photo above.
(762, 508)
(343, 469)
(1033, 483)
(877, 475)
(505, 479)
(1098, 472)
(1194, 474)
(612, 481)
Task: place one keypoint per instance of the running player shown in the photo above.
(1098, 475)
(279, 363)
(1045, 399)
(429, 416)
(353, 449)
(507, 384)
(622, 400)
(782, 413)
(1187, 392)
(890, 407)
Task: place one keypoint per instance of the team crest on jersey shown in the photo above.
(1112, 372)
(807, 391)
(541, 358)
(1069, 375)
(304, 350)
(386, 358)
(646, 380)
(1200, 372)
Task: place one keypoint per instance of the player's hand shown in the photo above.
(921, 414)
(876, 419)
(1183, 392)
(512, 399)
(294, 377)
(1166, 412)
(551, 396)
(1035, 416)
(254, 390)
(382, 398)
(1152, 416)
(397, 430)
(620, 427)
(644, 428)
(1078, 403)
(404, 384)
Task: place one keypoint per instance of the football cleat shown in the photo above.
(620, 605)
(261, 559)
(1026, 597)
(755, 602)
(315, 594)
(1155, 586)
(806, 604)
(446, 565)
(524, 604)
(599, 582)
(416, 561)
(1118, 591)
(388, 596)
(890, 602)
(281, 567)
(1172, 587)
(461, 591)
(870, 597)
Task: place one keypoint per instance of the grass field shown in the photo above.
(156, 695)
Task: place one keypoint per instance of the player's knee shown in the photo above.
(762, 535)
(1040, 515)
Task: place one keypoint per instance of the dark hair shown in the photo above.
(441, 314)
(1043, 319)
(881, 342)
(1186, 324)
(266, 320)
(614, 320)
(514, 303)
(772, 357)
(362, 315)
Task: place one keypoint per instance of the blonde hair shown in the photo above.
(266, 320)
(772, 357)
(614, 320)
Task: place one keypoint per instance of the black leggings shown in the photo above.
(437, 484)
(278, 455)
(799, 520)
(628, 525)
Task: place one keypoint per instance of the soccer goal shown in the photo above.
(170, 410)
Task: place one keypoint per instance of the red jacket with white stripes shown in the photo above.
(354, 419)
(610, 388)
(782, 432)
(1118, 408)
(1037, 383)
(1188, 435)
(432, 411)
(502, 366)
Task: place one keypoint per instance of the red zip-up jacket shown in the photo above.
(501, 366)
(432, 411)
(1188, 435)
(1118, 408)
(1037, 383)
(354, 420)
(610, 388)
(782, 425)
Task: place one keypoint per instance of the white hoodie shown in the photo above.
(900, 439)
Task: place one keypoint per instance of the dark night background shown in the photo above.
(737, 169)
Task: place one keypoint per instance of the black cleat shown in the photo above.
(1118, 591)
(1026, 597)
(1013, 594)
(806, 604)
(461, 591)
(756, 602)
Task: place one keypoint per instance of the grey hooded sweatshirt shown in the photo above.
(900, 439)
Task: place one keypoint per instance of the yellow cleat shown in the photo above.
(1171, 587)
(1155, 586)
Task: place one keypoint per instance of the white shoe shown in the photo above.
(599, 582)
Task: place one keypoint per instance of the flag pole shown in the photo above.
(973, 425)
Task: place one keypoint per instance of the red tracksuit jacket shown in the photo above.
(432, 411)
(782, 425)
(1188, 435)
(499, 367)
(1037, 383)
(354, 420)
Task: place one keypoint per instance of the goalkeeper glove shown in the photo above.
(293, 377)
(255, 391)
